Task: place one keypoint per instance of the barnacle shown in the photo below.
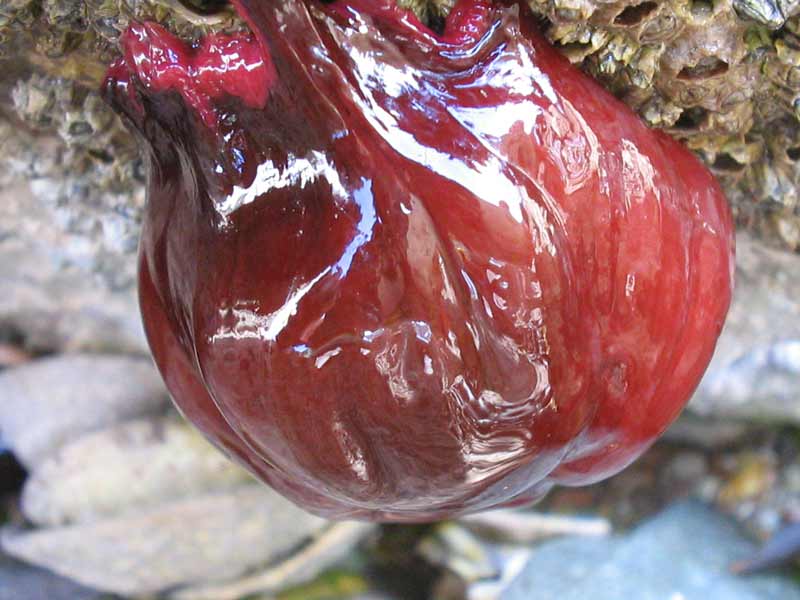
(723, 76)
(431, 12)
(53, 56)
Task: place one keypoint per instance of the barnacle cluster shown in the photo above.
(57, 133)
(69, 43)
(721, 75)
(431, 12)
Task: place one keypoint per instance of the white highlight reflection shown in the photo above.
(299, 171)
(251, 325)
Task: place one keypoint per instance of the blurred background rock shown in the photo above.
(106, 493)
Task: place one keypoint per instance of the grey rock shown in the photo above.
(49, 402)
(206, 539)
(525, 526)
(329, 548)
(760, 385)
(707, 433)
(755, 373)
(685, 553)
(19, 581)
(778, 551)
(132, 466)
(67, 289)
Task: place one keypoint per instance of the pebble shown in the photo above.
(49, 402)
(133, 466)
(327, 549)
(209, 538)
(683, 553)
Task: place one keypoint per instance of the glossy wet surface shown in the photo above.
(404, 275)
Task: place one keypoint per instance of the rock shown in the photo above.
(133, 466)
(525, 526)
(482, 554)
(205, 539)
(756, 368)
(19, 581)
(66, 285)
(760, 385)
(683, 553)
(49, 402)
(779, 551)
(718, 75)
(328, 549)
(707, 433)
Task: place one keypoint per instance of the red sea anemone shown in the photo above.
(403, 274)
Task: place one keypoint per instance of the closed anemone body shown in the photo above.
(403, 275)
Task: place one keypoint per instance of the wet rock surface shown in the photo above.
(685, 552)
(20, 581)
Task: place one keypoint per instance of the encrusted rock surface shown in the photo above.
(71, 182)
(722, 75)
